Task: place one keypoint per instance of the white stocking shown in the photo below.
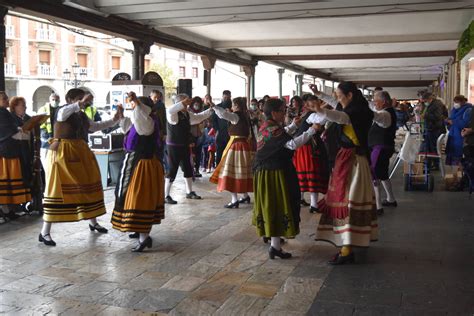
(46, 230)
(378, 199)
(387, 185)
(234, 197)
(143, 236)
(167, 186)
(189, 185)
(314, 199)
(275, 243)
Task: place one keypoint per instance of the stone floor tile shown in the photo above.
(258, 289)
(121, 311)
(244, 265)
(149, 280)
(161, 300)
(23, 300)
(274, 274)
(90, 292)
(231, 247)
(192, 307)
(218, 259)
(213, 292)
(242, 305)
(294, 302)
(325, 308)
(123, 298)
(201, 270)
(183, 283)
(229, 277)
(303, 286)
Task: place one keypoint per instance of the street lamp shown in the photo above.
(77, 71)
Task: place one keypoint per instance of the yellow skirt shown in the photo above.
(73, 184)
(144, 200)
(12, 188)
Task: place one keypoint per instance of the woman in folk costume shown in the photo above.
(349, 216)
(13, 189)
(73, 184)
(311, 160)
(139, 194)
(276, 210)
(234, 172)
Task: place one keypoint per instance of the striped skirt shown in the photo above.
(312, 168)
(73, 184)
(234, 172)
(349, 217)
(139, 195)
(12, 188)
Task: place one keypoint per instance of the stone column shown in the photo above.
(3, 13)
(250, 73)
(281, 71)
(141, 48)
(299, 84)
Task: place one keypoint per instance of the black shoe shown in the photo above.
(314, 210)
(134, 235)
(98, 228)
(198, 175)
(389, 204)
(232, 205)
(169, 200)
(245, 200)
(304, 203)
(338, 259)
(45, 241)
(193, 196)
(148, 242)
(272, 252)
(380, 211)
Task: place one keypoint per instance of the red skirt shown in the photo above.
(312, 169)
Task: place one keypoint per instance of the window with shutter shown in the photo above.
(44, 57)
(115, 63)
(82, 60)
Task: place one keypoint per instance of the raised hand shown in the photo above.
(314, 88)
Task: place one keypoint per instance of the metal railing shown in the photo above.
(9, 31)
(46, 71)
(46, 35)
(10, 70)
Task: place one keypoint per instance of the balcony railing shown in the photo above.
(46, 35)
(82, 40)
(46, 71)
(9, 31)
(10, 70)
(86, 72)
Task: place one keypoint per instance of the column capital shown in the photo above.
(248, 70)
(281, 70)
(142, 47)
(208, 62)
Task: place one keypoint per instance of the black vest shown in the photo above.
(304, 126)
(179, 134)
(384, 136)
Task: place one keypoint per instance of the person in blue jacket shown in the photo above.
(458, 120)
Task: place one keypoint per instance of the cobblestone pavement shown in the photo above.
(207, 260)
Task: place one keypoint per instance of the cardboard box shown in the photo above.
(416, 169)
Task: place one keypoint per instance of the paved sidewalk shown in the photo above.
(207, 260)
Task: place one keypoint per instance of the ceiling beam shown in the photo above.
(116, 26)
(385, 39)
(438, 53)
(395, 83)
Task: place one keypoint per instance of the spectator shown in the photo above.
(458, 120)
(196, 133)
(433, 124)
(221, 125)
(47, 127)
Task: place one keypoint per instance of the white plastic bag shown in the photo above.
(410, 148)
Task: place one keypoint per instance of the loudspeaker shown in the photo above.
(185, 86)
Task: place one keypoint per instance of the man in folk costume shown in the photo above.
(311, 160)
(13, 189)
(234, 172)
(382, 147)
(349, 217)
(139, 194)
(177, 141)
(73, 183)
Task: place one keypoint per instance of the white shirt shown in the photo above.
(66, 111)
(194, 118)
(233, 118)
(142, 120)
(299, 141)
(381, 118)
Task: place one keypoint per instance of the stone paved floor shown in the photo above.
(207, 260)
